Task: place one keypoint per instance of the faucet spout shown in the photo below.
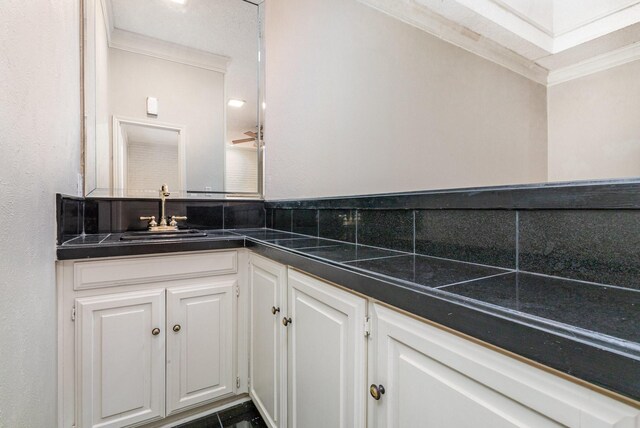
(164, 225)
(164, 194)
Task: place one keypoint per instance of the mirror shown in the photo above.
(172, 95)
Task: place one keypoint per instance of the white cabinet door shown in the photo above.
(268, 343)
(121, 345)
(433, 378)
(326, 355)
(200, 330)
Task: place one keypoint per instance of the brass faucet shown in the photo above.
(163, 226)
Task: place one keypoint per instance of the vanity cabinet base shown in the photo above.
(142, 348)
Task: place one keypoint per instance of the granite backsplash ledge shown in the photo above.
(76, 216)
(588, 232)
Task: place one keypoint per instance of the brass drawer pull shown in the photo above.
(176, 328)
(155, 331)
(286, 321)
(274, 310)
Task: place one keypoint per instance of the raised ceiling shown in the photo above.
(549, 41)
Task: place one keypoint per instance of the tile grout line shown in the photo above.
(517, 240)
(472, 280)
(562, 278)
(375, 258)
(414, 231)
(465, 262)
(356, 216)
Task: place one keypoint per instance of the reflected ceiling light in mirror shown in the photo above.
(236, 103)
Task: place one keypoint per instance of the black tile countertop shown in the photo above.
(110, 245)
(587, 330)
(602, 309)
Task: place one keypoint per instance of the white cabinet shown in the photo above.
(433, 378)
(199, 343)
(268, 284)
(121, 349)
(142, 338)
(326, 355)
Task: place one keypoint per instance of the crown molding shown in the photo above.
(598, 63)
(420, 17)
(144, 45)
(137, 43)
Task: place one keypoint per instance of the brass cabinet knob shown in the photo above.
(376, 391)
(286, 321)
(176, 328)
(274, 310)
(155, 331)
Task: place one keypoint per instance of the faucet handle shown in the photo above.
(176, 218)
(151, 220)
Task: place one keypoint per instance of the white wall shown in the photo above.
(359, 102)
(40, 139)
(188, 97)
(594, 126)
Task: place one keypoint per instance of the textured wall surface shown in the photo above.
(40, 137)
(369, 104)
(594, 126)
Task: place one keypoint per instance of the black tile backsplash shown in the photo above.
(589, 245)
(70, 217)
(337, 224)
(282, 220)
(305, 222)
(242, 215)
(125, 214)
(391, 229)
(97, 216)
(477, 236)
(200, 215)
(594, 244)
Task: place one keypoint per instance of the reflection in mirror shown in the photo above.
(171, 96)
(148, 155)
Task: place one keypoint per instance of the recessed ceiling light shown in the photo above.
(236, 103)
(180, 2)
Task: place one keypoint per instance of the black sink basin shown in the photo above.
(172, 234)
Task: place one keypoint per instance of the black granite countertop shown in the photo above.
(587, 330)
(111, 245)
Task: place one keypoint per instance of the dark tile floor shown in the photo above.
(244, 415)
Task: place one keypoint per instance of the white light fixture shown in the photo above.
(180, 2)
(236, 103)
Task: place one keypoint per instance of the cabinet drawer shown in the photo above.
(139, 270)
